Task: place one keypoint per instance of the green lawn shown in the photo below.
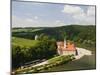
(24, 42)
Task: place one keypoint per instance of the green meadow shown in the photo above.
(24, 42)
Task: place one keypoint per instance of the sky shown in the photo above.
(35, 14)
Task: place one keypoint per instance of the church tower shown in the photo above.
(65, 43)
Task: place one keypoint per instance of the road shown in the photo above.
(82, 52)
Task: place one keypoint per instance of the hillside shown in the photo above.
(24, 42)
(82, 35)
(72, 32)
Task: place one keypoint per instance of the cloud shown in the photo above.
(73, 10)
(35, 22)
(79, 15)
(91, 11)
(29, 20)
(24, 22)
(59, 23)
(36, 17)
(86, 18)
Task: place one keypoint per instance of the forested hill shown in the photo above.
(26, 48)
(71, 32)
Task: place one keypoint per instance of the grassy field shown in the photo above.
(24, 42)
(25, 30)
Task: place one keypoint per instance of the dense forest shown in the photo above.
(81, 34)
(72, 32)
(45, 47)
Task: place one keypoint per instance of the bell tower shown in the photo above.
(65, 43)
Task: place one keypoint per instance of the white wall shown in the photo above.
(68, 52)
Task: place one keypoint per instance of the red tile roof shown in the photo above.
(69, 46)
